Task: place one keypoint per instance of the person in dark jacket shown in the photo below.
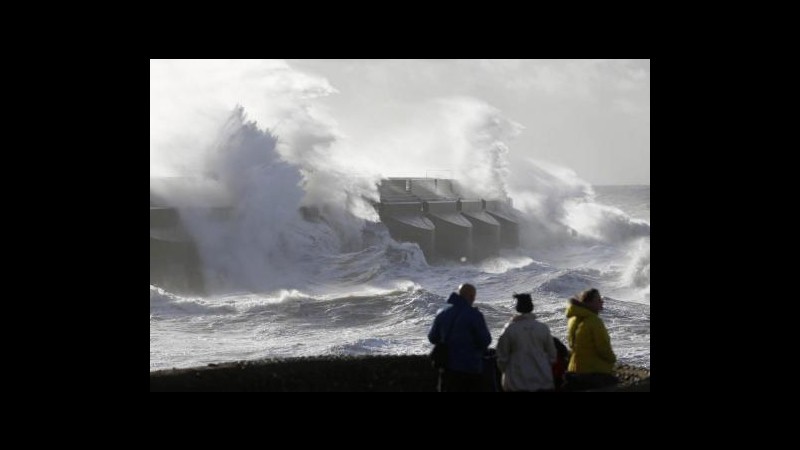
(464, 330)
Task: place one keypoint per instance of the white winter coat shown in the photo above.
(525, 354)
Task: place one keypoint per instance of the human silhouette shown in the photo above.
(592, 361)
(526, 351)
(464, 330)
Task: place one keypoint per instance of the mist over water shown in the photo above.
(302, 266)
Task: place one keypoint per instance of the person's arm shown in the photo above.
(603, 342)
(434, 335)
(503, 350)
(483, 336)
(550, 347)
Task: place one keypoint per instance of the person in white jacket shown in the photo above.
(525, 351)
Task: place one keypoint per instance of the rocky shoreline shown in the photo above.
(374, 373)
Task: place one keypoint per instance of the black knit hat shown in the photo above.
(524, 303)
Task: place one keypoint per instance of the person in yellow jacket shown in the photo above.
(592, 361)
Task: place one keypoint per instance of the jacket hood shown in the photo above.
(522, 316)
(576, 309)
(457, 300)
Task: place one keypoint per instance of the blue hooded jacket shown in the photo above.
(468, 339)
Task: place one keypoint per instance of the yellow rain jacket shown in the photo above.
(588, 338)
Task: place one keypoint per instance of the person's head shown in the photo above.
(524, 303)
(467, 291)
(592, 299)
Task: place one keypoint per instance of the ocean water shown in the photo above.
(381, 299)
(303, 265)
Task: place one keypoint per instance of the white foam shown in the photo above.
(334, 281)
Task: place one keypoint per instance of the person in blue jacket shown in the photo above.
(464, 330)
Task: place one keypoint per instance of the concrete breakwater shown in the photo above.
(432, 213)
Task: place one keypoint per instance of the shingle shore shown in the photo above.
(374, 373)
